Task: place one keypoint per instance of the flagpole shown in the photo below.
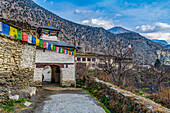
(74, 53)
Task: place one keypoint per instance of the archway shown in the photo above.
(51, 74)
(55, 75)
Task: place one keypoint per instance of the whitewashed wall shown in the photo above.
(67, 75)
(52, 57)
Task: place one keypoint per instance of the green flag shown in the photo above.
(19, 35)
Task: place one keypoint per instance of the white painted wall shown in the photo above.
(47, 73)
(52, 57)
(67, 73)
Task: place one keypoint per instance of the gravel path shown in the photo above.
(71, 103)
(64, 100)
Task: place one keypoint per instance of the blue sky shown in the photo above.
(150, 18)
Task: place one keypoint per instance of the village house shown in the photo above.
(54, 66)
(26, 63)
(94, 61)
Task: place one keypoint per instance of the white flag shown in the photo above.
(0, 26)
(30, 39)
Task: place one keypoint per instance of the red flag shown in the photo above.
(75, 38)
(24, 36)
(44, 44)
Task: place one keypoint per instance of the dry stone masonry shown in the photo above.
(17, 63)
(120, 100)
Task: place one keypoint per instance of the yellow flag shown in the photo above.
(13, 31)
(51, 47)
(37, 42)
(61, 50)
(74, 53)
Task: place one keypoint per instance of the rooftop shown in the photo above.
(49, 28)
(60, 43)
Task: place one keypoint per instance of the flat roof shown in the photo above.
(60, 43)
(49, 28)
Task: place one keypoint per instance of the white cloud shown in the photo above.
(155, 27)
(117, 14)
(77, 11)
(155, 31)
(44, 1)
(107, 24)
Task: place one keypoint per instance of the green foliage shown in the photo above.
(63, 86)
(157, 63)
(104, 107)
(105, 99)
(130, 109)
(7, 108)
(141, 93)
(8, 105)
(80, 81)
(72, 85)
(91, 71)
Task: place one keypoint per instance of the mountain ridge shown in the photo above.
(119, 30)
(90, 38)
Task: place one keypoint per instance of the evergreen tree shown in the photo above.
(157, 63)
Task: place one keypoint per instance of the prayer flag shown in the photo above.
(0, 27)
(37, 42)
(59, 50)
(5, 29)
(41, 43)
(44, 44)
(13, 31)
(24, 36)
(49, 46)
(19, 34)
(74, 53)
(33, 40)
(30, 39)
(53, 48)
(56, 48)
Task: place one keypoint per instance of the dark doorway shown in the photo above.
(55, 75)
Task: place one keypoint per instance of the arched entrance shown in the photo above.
(51, 74)
(55, 75)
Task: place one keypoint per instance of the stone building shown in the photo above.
(17, 63)
(54, 66)
(95, 60)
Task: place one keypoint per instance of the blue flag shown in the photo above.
(49, 46)
(33, 40)
(5, 29)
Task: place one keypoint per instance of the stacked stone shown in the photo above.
(12, 74)
(121, 100)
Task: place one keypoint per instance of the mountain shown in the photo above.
(161, 42)
(90, 38)
(119, 30)
(168, 46)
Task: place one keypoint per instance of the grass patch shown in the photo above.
(104, 107)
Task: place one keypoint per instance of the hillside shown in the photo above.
(88, 37)
(119, 30)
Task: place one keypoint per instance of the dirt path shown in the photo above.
(64, 100)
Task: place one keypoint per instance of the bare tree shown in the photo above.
(117, 59)
(156, 76)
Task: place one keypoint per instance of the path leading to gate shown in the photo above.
(66, 100)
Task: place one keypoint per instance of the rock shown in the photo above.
(15, 97)
(27, 104)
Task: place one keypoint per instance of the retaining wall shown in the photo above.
(17, 63)
(120, 100)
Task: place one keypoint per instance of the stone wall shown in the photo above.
(17, 63)
(122, 101)
(52, 58)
